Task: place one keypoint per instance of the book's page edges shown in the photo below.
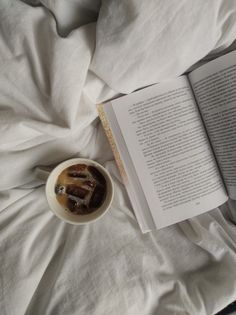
(146, 224)
(108, 132)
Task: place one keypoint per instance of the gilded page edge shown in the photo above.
(110, 137)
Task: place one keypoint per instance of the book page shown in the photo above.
(214, 85)
(168, 145)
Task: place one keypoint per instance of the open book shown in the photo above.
(175, 143)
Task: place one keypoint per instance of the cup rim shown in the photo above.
(89, 218)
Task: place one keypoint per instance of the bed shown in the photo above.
(57, 60)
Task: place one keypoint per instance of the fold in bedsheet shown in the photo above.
(56, 62)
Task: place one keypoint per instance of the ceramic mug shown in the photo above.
(67, 216)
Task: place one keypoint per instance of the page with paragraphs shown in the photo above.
(214, 86)
(167, 142)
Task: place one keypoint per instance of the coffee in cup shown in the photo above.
(81, 189)
(78, 191)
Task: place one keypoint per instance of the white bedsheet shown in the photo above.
(50, 79)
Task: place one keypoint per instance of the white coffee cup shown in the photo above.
(58, 209)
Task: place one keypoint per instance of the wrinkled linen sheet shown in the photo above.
(57, 60)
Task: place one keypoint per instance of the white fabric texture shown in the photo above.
(56, 63)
